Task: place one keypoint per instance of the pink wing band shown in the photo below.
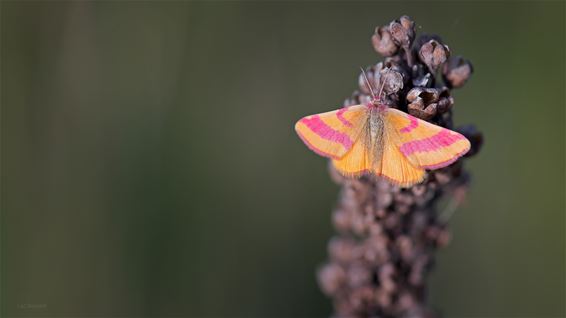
(340, 115)
(319, 127)
(445, 163)
(443, 139)
(315, 149)
(412, 125)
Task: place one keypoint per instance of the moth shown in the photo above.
(379, 140)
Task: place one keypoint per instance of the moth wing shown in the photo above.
(332, 134)
(396, 167)
(385, 160)
(425, 145)
(357, 161)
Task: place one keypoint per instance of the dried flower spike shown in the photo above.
(388, 235)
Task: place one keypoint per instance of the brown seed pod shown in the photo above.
(433, 54)
(383, 42)
(403, 31)
(423, 102)
(391, 80)
(457, 71)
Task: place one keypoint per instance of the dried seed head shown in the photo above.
(383, 42)
(423, 102)
(395, 64)
(442, 176)
(358, 275)
(403, 31)
(359, 225)
(433, 54)
(418, 190)
(342, 307)
(406, 301)
(341, 250)
(341, 220)
(383, 298)
(330, 278)
(360, 298)
(457, 71)
(406, 248)
(392, 81)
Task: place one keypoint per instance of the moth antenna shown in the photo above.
(368, 83)
(381, 86)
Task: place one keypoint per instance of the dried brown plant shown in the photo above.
(387, 236)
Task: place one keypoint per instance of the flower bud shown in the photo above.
(457, 71)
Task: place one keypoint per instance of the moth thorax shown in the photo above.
(376, 127)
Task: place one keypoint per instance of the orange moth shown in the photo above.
(375, 139)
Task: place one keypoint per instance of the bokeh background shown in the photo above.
(149, 166)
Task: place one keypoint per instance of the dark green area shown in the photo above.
(149, 165)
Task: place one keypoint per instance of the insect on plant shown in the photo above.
(379, 140)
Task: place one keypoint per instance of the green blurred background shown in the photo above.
(149, 165)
